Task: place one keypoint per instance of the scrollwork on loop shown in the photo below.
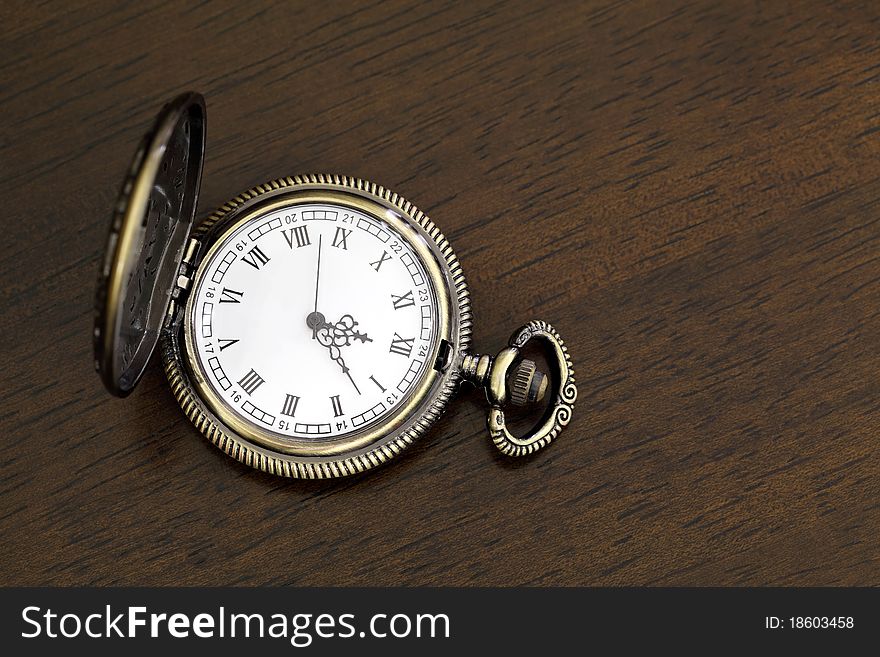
(563, 415)
(522, 336)
(559, 415)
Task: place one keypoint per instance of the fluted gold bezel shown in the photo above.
(354, 452)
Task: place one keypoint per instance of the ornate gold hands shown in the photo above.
(336, 335)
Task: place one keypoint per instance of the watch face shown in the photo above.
(314, 320)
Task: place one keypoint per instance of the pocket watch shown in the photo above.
(314, 326)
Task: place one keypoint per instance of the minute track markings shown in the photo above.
(344, 288)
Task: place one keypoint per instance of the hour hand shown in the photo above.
(346, 325)
(339, 334)
(344, 330)
(336, 356)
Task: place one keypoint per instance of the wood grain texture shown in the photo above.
(689, 192)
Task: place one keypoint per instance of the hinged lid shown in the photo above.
(151, 223)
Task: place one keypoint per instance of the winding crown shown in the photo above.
(529, 385)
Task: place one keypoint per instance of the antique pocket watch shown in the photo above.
(311, 327)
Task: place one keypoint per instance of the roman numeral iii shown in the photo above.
(337, 406)
(290, 403)
(404, 301)
(340, 237)
(401, 345)
(300, 235)
(255, 257)
(230, 296)
(250, 382)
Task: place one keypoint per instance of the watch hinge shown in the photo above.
(441, 364)
(184, 280)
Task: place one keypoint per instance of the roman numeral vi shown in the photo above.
(230, 296)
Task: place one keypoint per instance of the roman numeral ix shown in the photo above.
(230, 296)
(250, 382)
(404, 301)
(255, 257)
(402, 346)
(226, 343)
(300, 234)
(340, 237)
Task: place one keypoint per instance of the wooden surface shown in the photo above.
(690, 192)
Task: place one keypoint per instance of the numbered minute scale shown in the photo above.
(311, 327)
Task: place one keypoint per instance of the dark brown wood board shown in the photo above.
(688, 191)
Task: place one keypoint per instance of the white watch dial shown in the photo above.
(314, 321)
